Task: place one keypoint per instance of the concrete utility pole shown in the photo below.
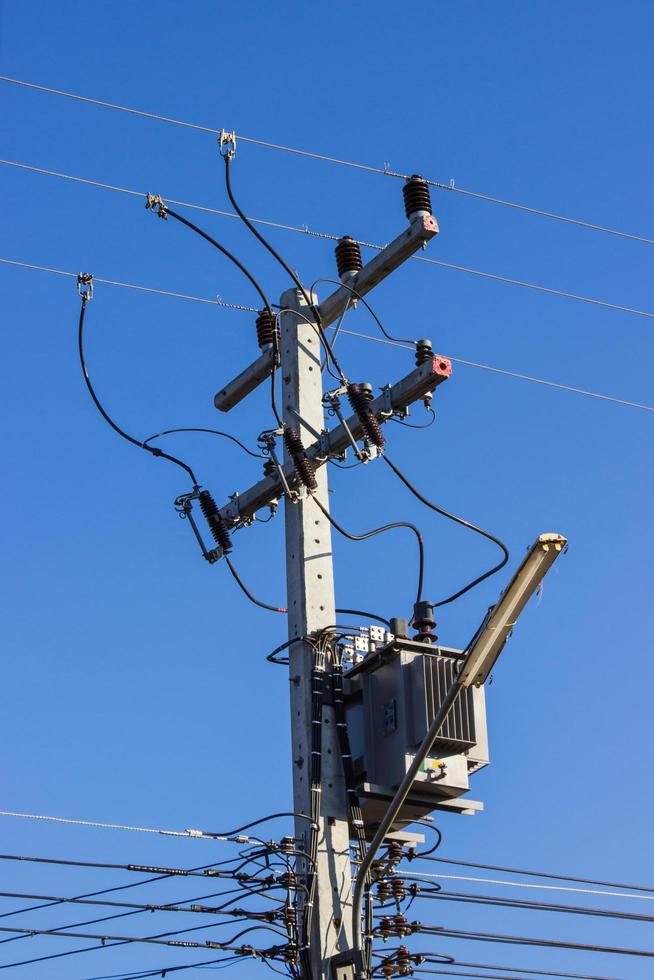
(310, 580)
(311, 607)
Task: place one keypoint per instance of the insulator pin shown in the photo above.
(417, 199)
(424, 352)
(304, 467)
(424, 622)
(216, 524)
(348, 258)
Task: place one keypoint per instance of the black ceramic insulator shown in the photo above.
(304, 467)
(269, 467)
(424, 352)
(267, 330)
(416, 196)
(359, 397)
(216, 524)
(348, 256)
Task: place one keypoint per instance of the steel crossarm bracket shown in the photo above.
(412, 388)
(419, 232)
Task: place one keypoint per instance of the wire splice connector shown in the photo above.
(155, 202)
(417, 199)
(348, 258)
(215, 522)
(85, 285)
(304, 467)
(359, 396)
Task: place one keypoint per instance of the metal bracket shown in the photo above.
(85, 285)
(155, 202)
(225, 141)
(267, 442)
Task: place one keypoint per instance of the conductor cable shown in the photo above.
(380, 530)
(457, 520)
(154, 451)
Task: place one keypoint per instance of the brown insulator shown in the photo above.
(287, 844)
(399, 890)
(395, 852)
(214, 520)
(388, 967)
(416, 196)
(424, 352)
(304, 467)
(403, 960)
(348, 257)
(359, 396)
(383, 891)
(267, 330)
(377, 867)
(424, 622)
(386, 927)
(401, 926)
(288, 880)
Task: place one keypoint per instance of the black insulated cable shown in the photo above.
(458, 520)
(215, 432)
(153, 450)
(266, 244)
(380, 530)
(164, 211)
(243, 587)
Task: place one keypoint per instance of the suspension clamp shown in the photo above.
(155, 202)
(85, 285)
(227, 144)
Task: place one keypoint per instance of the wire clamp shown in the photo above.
(85, 285)
(155, 202)
(227, 144)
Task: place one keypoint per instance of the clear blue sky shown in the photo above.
(135, 688)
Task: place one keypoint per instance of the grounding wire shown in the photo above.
(362, 336)
(458, 520)
(385, 171)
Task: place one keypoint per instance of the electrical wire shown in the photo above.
(257, 234)
(473, 899)
(105, 415)
(352, 333)
(361, 299)
(215, 432)
(463, 523)
(426, 876)
(379, 530)
(164, 209)
(541, 874)
(508, 970)
(197, 834)
(493, 937)
(413, 425)
(385, 171)
(243, 587)
(363, 244)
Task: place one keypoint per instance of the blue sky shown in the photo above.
(135, 687)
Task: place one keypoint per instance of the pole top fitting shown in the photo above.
(155, 202)
(85, 285)
(227, 144)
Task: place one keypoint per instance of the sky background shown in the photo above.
(135, 688)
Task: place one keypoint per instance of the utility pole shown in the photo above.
(311, 607)
(318, 780)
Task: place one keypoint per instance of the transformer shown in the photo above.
(392, 696)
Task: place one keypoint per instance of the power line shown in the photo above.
(325, 235)
(507, 970)
(539, 874)
(494, 937)
(385, 172)
(470, 899)
(418, 876)
(205, 871)
(114, 826)
(362, 336)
